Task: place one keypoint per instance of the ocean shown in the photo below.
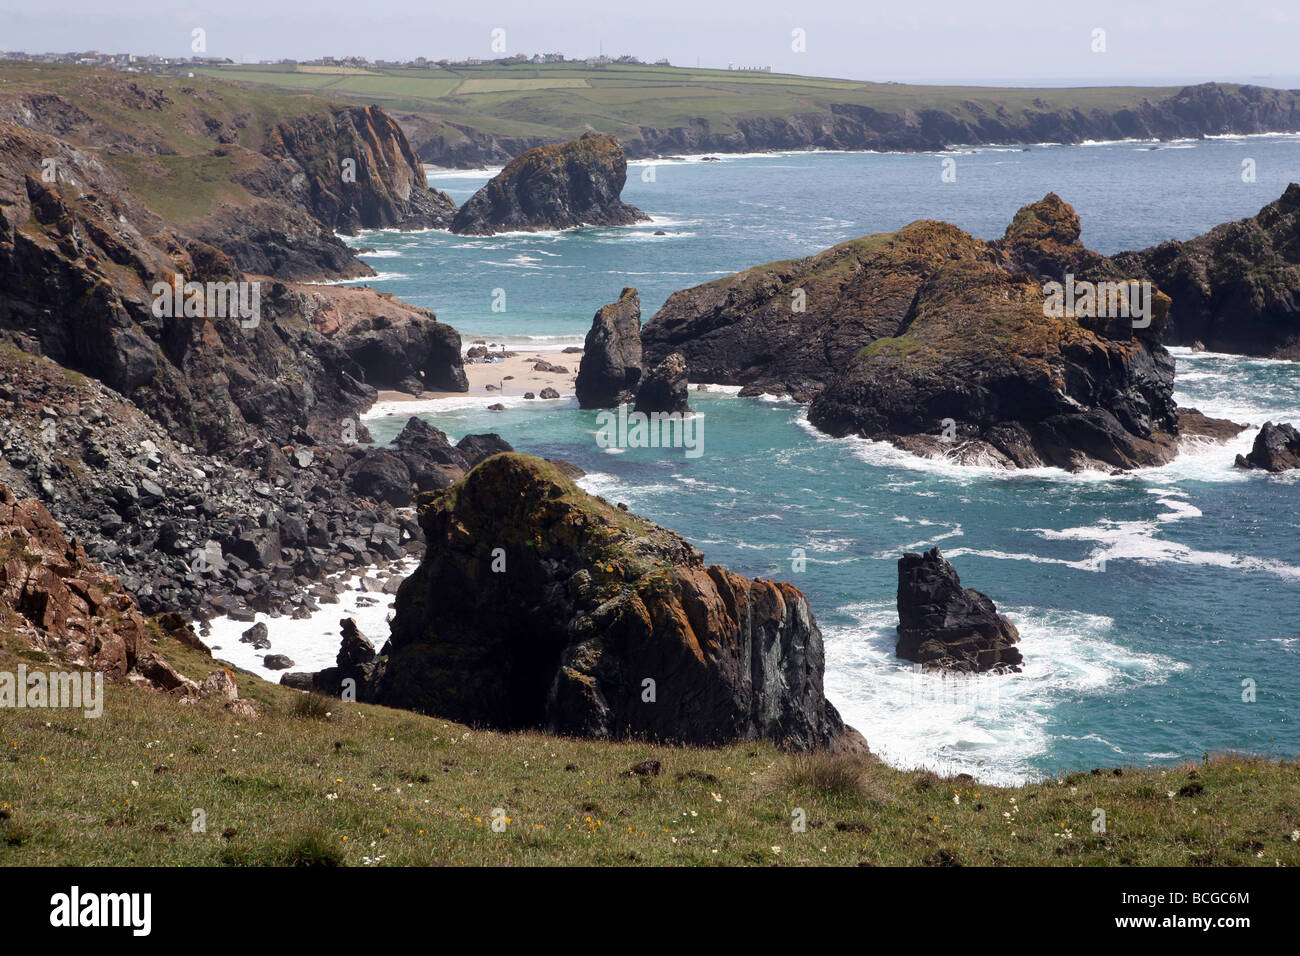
(1157, 609)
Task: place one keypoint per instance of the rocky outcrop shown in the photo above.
(60, 603)
(943, 626)
(577, 183)
(945, 345)
(357, 671)
(396, 345)
(788, 327)
(665, 388)
(1237, 287)
(610, 370)
(540, 606)
(984, 117)
(1276, 449)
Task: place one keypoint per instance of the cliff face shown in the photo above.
(80, 257)
(553, 187)
(385, 187)
(538, 605)
(942, 344)
(1237, 287)
(985, 118)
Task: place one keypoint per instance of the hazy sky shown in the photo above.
(1166, 41)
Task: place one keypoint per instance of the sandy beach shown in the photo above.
(510, 377)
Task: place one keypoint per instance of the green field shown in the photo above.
(562, 99)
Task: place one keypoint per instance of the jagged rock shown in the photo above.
(595, 602)
(358, 669)
(944, 626)
(553, 187)
(475, 448)
(610, 370)
(943, 345)
(58, 602)
(1276, 449)
(1235, 288)
(665, 388)
(547, 392)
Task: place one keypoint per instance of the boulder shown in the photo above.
(943, 626)
(601, 625)
(665, 388)
(610, 370)
(382, 476)
(1276, 449)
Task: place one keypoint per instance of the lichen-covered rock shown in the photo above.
(946, 345)
(538, 605)
(553, 187)
(1276, 449)
(944, 626)
(665, 388)
(610, 370)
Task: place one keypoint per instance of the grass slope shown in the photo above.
(348, 784)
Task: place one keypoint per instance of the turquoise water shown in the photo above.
(1144, 601)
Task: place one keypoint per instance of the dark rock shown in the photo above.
(476, 448)
(665, 388)
(1276, 449)
(276, 662)
(256, 635)
(610, 370)
(383, 476)
(548, 392)
(947, 627)
(592, 607)
(1235, 288)
(553, 187)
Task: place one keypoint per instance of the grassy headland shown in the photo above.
(313, 781)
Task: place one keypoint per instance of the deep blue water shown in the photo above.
(1143, 601)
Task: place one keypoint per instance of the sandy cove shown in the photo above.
(506, 377)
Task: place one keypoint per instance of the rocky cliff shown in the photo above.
(358, 171)
(1237, 287)
(983, 117)
(577, 183)
(538, 605)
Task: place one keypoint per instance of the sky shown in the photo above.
(918, 41)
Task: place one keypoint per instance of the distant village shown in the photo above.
(152, 63)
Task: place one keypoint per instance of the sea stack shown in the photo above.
(610, 370)
(943, 626)
(540, 606)
(560, 186)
